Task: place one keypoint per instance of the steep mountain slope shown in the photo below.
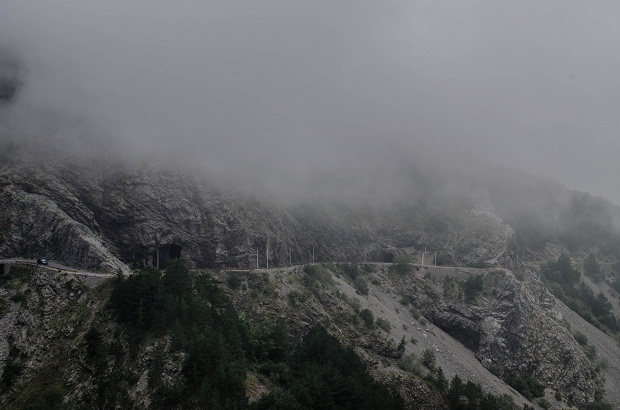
(512, 328)
(137, 213)
(50, 326)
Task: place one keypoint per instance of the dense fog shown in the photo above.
(293, 96)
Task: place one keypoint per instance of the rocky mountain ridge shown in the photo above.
(96, 221)
(125, 219)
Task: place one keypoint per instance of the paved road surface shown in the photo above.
(53, 265)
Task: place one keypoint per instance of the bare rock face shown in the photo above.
(476, 236)
(29, 325)
(33, 225)
(513, 329)
(145, 216)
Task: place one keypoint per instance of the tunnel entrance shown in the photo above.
(166, 253)
(387, 256)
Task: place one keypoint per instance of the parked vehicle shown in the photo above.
(41, 261)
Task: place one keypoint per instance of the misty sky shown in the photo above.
(288, 87)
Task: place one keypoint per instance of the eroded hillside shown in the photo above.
(502, 328)
(133, 216)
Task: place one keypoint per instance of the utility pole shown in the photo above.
(267, 254)
(312, 254)
(256, 258)
(435, 261)
(290, 257)
(157, 259)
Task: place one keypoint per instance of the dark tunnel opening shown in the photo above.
(387, 257)
(165, 254)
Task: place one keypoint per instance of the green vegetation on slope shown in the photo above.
(562, 279)
(175, 341)
(326, 375)
(221, 348)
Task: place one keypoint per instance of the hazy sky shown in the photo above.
(286, 87)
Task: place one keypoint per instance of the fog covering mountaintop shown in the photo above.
(371, 104)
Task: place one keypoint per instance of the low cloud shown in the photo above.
(285, 94)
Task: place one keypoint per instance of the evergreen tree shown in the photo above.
(592, 268)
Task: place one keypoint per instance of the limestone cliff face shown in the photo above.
(33, 224)
(511, 325)
(102, 220)
(475, 236)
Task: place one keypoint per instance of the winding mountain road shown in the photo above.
(54, 266)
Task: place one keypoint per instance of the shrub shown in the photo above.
(519, 274)
(47, 399)
(590, 352)
(528, 386)
(354, 303)
(295, 297)
(367, 317)
(5, 307)
(473, 286)
(481, 264)
(581, 338)
(350, 270)
(18, 297)
(414, 312)
(409, 363)
(384, 324)
(16, 276)
(367, 268)
(404, 258)
(361, 285)
(400, 268)
(95, 348)
(316, 273)
(234, 280)
(601, 364)
(428, 359)
(13, 368)
(597, 405)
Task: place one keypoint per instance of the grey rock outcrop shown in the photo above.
(103, 219)
(32, 224)
(476, 236)
(512, 327)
